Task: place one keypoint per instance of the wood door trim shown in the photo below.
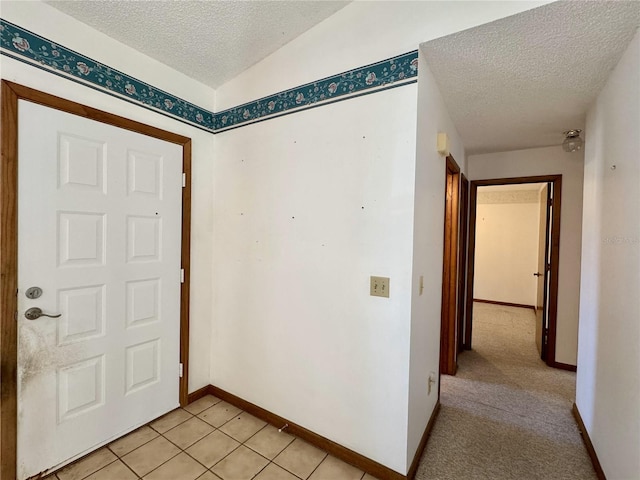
(448, 327)
(555, 263)
(8, 283)
(468, 324)
(555, 253)
(10, 94)
(462, 258)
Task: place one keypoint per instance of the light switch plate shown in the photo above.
(379, 287)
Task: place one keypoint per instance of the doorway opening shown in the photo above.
(548, 193)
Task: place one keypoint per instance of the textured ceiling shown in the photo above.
(515, 83)
(521, 81)
(210, 41)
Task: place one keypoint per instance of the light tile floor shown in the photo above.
(209, 440)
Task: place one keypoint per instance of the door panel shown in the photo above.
(462, 260)
(543, 272)
(448, 327)
(99, 231)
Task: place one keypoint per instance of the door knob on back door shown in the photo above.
(34, 313)
(537, 274)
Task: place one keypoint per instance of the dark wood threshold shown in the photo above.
(587, 443)
(564, 366)
(360, 461)
(423, 442)
(506, 304)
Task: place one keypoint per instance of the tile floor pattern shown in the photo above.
(209, 440)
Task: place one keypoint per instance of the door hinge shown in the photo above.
(181, 370)
(184, 180)
(182, 275)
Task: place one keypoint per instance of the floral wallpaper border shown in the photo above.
(26, 46)
(36, 49)
(386, 73)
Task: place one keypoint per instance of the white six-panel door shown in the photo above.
(99, 232)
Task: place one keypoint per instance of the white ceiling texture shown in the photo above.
(519, 82)
(515, 83)
(211, 41)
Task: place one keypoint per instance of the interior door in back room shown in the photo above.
(543, 271)
(99, 234)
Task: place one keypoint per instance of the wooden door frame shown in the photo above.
(11, 93)
(462, 259)
(448, 327)
(556, 180)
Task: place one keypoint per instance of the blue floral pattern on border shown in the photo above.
(40, 50)
(23, 44)
(393, 70)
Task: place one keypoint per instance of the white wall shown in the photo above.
(427, 251)
(313, 165)
(316, 348)
(52, 24)
(506, 256)
(608, 379)
(550, 161)
(308, 207)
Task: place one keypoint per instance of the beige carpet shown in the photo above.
(505, 415)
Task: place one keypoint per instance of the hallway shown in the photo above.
(505, 415)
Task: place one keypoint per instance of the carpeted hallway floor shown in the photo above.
(505, 415)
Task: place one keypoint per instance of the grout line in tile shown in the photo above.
(205, 467)
(89, 474)
(192, 444)
(318, 466)
(256, 433)
(169, 413)
(258, 473)
(224, 456)
(141, 445)
(282, 450)
(160, 464)
(137, 476)
(289, 471)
